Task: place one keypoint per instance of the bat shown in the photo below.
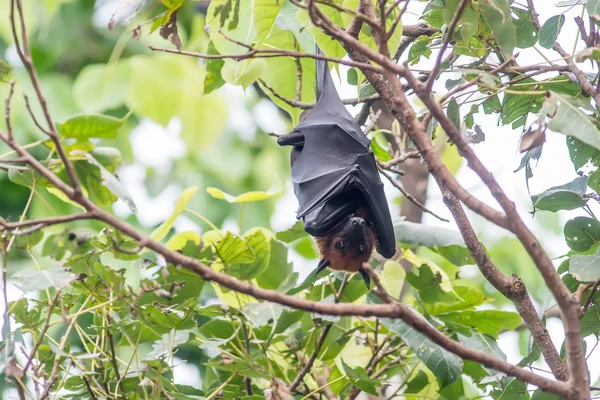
(336, 182)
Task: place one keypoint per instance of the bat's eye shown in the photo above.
(362, 249)
(339, 245)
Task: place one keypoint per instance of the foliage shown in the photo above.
(101, 313)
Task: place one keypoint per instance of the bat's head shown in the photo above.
(348, 246)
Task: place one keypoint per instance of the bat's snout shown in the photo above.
(357, 221)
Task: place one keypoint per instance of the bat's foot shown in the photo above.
(365, 277)
(321, 266)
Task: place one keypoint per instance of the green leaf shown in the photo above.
(515, 390)
(489, 322)
(26, 178)
(213, 79)
(420, 48)
(379, 151)
(581, 233)
(244, 73)
(497, 15)
(446, 366)
(593, 8)
(590, 321)
(100, 87)
(29, 240)
(570, 114)
(564, 197)
(261, 248)
(111, 182)
(163, 87)
(246, 197)
(447, 243)
(179, 240)
(294, 233)
(33, 280)
(5, 69)
(161, 232)
(234, 249)
(453, 113)
(526, 33)
(468, 298)
(582, 153)
(486, 344)
(287, 20)
(550, 30)
(418, 383)
(82, 127)
(585, 268)
(279, 270)
(359, 378)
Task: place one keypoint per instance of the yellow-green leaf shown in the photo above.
(87, 126)
(245, 197)
(162, 231)
(393, 277)
(179, 240)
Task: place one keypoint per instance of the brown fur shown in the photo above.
(347, 259)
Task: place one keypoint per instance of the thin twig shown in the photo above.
(409, 196)
(590, 298)
(320, 342)
(11, 90)
(438, 60)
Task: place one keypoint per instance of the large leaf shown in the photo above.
(497, 15)
(294, 233)
(515, 390)
(564, 197)
(281, 72)
(287, 20)
(448, 243)
(162, 231)
(101, 87)
(34, 280)
(393, 277)
(163, 87)
(570, 114)
(446, 366)
(485, 344)
(592, 7)
(233, 249)
(586, 268)
(262, 253)
(467, 299)
(359, 378)
(279, 269)
(488, 322)
(550, 30)
(82, 127)
(581, 233)
(526, 33)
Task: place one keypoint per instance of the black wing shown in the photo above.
(333, 170)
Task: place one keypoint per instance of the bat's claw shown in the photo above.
(365, 277)
(322, 265)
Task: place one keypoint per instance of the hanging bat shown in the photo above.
(335, 178)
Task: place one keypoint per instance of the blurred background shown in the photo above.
(178, 138)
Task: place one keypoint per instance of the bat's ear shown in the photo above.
(291, 139)
(365, 277)
(322, 265)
